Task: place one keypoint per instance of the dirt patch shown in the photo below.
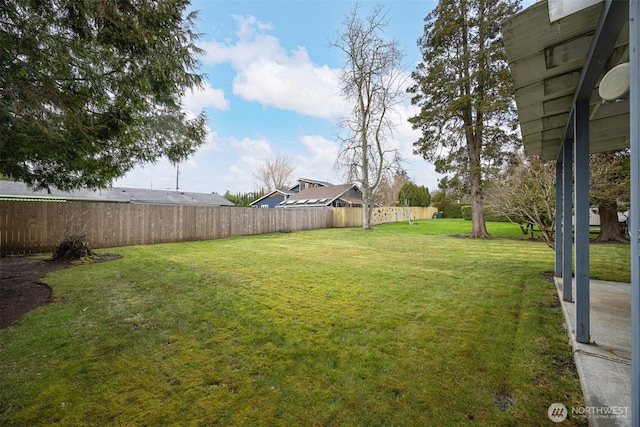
(504, 400)
(20, 288)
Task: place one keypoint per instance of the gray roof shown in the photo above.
(9, 189)
(290, 191)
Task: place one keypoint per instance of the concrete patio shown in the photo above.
(604, 365)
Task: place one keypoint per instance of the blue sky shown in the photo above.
(272, 89)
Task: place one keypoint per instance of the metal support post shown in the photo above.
(567, 221)
(558, 225)
(634, 214)
(581, 206)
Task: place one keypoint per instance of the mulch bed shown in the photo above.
(20, 288)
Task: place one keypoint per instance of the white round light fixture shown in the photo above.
(615, 84)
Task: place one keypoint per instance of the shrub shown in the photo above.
(72, 247)
(466, 212)
(491, 215)
(451, 210)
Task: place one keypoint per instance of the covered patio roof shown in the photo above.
(547, 60)
(563, 54)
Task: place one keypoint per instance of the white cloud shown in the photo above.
(195, 173)
(258, 148)
(293, 85)
(404, 135)
(319, 163)
(266, 73)
(195, 100)
(419, 170)
(248, 24)
(156, 176)
(251, 45)
(248, 154)
(322, 150)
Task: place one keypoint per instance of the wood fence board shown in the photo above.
(28, 227)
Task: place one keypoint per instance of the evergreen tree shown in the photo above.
(89, 89)
(414, 195)
(465, 93)
(243, 200)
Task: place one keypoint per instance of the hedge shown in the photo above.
(489, 214)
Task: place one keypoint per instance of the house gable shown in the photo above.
(345, 195)
(276, 197)
(271, 199)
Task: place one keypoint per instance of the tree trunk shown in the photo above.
(549, 238)
(478, 226)
(366, 216)
(366, 209)
(609, 226)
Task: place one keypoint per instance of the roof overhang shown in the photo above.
(556, 64)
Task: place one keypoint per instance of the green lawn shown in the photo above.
(399, 326)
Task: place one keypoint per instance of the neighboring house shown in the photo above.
(345, 195)
(272, 199)
(304, 183)
(19, 191)
(276, 197)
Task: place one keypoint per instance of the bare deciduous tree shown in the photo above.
(372, 81)
(275, 174)
(72, 243)
(525, 195)
(387, 194)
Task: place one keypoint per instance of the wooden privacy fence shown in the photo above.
(28, 227)
(33, 227)
(352, 217)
